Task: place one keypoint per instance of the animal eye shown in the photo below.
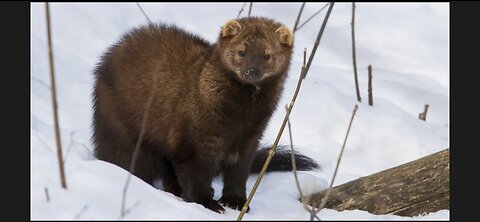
(266, 57)
(241, 53)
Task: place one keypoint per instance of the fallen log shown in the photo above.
(417, 187)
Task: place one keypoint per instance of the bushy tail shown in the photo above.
(282, 160)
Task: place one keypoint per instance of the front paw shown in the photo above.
(213, 205)
(234, 202)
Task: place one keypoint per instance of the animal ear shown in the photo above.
(285, 35)
(231, 28)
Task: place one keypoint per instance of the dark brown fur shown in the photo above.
(205, 119)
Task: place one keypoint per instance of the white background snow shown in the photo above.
(407, 44)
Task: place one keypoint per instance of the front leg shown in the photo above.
(195, 172)
(235, 175)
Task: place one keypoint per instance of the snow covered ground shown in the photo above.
(407, 44)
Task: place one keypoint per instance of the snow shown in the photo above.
(407, 44)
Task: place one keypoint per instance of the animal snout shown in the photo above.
(252, 72)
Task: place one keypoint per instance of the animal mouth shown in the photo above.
(250, 77)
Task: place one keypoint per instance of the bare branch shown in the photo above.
(250, 9)
(241, 10)
(145, 14)
(69, 148)
(41, 82)
(130, 209)
(46, 194)
(370, 96)
(311, 17)
(425, 112)
(304, 199)
(294, 164)
(354, 54)
(54, 100)
(79, 214)
(139, 142)
(304, 62)
(73, 141)
(298, 18)
(423, 116)
(319, 36)
(41, 138)
(292, 103)
(324, 200)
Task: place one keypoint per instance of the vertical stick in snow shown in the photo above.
(423, 116)
(370, 96)
(425, 112)
(294, 164)
(46, 194)
(250, 9)
(324, 200)
(54, 100)
(354, 54)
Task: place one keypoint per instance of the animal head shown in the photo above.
(255, 49)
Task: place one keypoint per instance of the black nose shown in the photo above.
(252, 72)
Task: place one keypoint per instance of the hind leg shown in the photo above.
(119, 151)
(170, 182)
(142, 168)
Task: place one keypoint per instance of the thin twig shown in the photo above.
(250, 9)
(54, 100)
(324, 200)
(311, 17)
(423, 116)
(80, 213)
(241, 10)
(425, 112)
(73, 141)
(145, 14)
(294, 164)
(294, 170)
(42, 139)
(69, 148)
(354, 53)
(46, 194)
(304, 61)
(41, 82)
(304, 200)
(274, 146)
(310, 209)
(298, 18)
(130, 209)
(370, 96)
(139, 142)
(317, 42)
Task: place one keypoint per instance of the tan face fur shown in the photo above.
(255, 49)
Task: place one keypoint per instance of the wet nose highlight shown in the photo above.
(252, 72)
